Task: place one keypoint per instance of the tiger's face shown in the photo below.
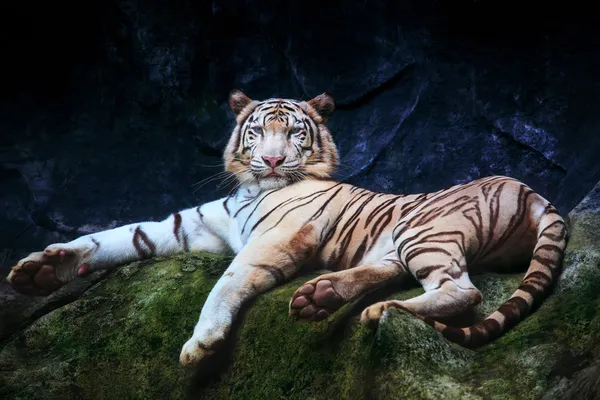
(278, 142)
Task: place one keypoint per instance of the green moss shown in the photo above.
(495, 288)
(412, 361)
(276, 357)
(128, 331)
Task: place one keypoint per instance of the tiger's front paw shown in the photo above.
(195, 350)
(41, 273)
(315, 301)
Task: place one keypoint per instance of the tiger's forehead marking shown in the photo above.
(278, 111)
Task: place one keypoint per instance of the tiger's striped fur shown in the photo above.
(287, 215)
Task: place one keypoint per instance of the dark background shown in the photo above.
(111, 110)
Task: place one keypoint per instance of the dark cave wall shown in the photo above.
(112, 110)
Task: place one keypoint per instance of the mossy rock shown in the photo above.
(122, 340)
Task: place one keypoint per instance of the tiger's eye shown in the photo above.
(257, 130)
(295, 130)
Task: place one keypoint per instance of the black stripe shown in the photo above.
(322, 208)
(360, 252)
(424, 272)
(358, 211)
(176, 226)
(385, 221)
(256, 207)
(379, 208)
(275, 272)
(140, 236)
(311, 197)
(225, 206)
(407, 242)
(244, 206)
(422, 250)
(294, 208)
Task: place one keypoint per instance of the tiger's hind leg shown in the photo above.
(448, 289)
(318, 298)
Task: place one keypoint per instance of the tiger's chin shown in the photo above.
(274, 182)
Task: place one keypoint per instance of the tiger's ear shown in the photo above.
(323, 104)
(238, 101)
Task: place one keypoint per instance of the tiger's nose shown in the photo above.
(273, 161)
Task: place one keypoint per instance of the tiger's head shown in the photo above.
(278, 142)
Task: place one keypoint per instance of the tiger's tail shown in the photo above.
(544, 269)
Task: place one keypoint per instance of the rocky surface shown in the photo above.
(122, 340)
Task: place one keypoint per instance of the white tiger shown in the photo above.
(288, 215)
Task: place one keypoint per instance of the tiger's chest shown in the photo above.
(353, 226)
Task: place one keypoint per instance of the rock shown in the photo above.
(132, 324)
(18, 310)
(123, 337)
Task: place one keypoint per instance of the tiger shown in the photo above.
(288, 215)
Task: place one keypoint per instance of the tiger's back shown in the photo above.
(440, 238)
(492, 220)
(355, 225)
